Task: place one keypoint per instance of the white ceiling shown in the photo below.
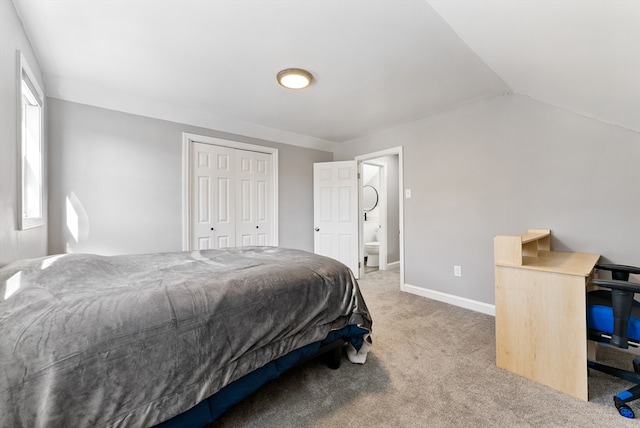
(582, 55)
(377, 64)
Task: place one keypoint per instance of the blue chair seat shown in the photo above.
(600, 314)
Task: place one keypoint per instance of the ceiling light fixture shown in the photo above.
(294, 78)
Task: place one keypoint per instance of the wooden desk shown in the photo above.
(541, 330)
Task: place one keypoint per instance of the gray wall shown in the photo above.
(122, 174)
(499, 167)
(14, 244)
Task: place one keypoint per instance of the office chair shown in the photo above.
(613, 317)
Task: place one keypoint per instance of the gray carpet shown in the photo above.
(431, 365)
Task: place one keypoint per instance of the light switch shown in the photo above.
(407, 193)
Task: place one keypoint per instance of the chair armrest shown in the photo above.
(621, 268)
(620, 272)
(617, 285)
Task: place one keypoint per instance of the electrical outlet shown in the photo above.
(457, 270)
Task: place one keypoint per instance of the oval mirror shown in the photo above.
(369, 197)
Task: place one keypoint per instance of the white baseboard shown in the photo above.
(463, 302)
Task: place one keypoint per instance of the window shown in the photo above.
(31, 148)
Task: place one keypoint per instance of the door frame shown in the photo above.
(368, 157)
(187, 147)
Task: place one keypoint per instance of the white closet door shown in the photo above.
(253, 201)
(231, 197)
(213, 210)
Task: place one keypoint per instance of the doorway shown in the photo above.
(383, 171)
(374, 215)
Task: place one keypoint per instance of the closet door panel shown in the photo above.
(253, 198)
(231, 197)
(201, 219)
(263, 200)
(212, 198)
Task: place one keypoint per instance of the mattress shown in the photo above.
(90, 340)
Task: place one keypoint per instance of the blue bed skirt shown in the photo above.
(210, 409)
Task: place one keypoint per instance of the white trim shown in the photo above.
(25, 223)
(388, 152)
(187, 142)
(24, 65)
(186, 191)
(228, 143)
(382, 153)
(462, 302)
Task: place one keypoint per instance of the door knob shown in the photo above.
(317, 229)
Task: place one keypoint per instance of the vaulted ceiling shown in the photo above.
(376, 64)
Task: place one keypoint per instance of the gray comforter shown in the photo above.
(89, 340)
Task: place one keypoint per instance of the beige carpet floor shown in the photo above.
(431, 365)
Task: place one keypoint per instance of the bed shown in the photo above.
(140, 340)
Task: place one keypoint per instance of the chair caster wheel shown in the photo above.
(626, 411)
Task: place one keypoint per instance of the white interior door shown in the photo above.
(213, 210)
(253, 226)
(335, 196)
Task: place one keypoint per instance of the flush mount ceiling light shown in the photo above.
(294, 78)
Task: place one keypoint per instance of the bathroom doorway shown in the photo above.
(374, 215)
(381, 219)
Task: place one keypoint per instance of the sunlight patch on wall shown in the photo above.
(72, 220)
(77, 222)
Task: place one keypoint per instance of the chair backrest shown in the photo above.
(622, 294)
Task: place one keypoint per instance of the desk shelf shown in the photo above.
(520, 249)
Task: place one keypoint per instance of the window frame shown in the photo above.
(26, 81)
